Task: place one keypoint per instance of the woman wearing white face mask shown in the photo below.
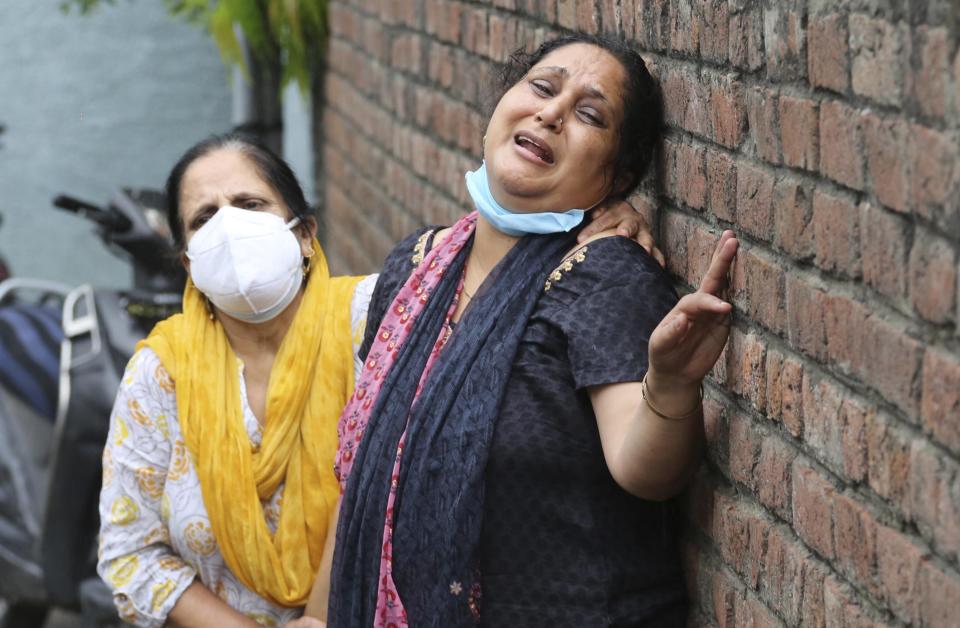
(229, 411)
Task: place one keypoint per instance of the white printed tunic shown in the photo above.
(155, 535)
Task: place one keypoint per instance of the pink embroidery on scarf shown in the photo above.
(393, 331)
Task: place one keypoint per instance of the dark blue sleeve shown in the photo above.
(622, 294)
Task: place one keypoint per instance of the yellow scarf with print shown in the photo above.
(311, 380)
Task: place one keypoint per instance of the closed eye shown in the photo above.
(591, 117)
(542, 87)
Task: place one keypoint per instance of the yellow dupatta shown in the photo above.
(311, 380)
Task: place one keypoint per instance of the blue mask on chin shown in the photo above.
(516, 224)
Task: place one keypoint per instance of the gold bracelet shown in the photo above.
(646, 398)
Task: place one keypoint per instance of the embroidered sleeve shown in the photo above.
(359, 306)
(135, 558)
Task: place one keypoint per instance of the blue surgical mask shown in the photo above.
(516, 224)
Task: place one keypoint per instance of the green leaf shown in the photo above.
(291, 31)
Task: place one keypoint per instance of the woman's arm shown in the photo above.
(198, 607)
(151, 584)
(649, 455)
(320, 594)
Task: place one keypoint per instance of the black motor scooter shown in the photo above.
(50, 449)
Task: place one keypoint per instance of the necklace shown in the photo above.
(473, 258)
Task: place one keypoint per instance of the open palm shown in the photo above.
(689, 339)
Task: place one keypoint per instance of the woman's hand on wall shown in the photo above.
(687, 342)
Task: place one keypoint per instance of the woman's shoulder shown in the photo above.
(605, 261)
(410, 251)
(145, 375)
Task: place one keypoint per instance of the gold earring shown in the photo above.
(209, 305)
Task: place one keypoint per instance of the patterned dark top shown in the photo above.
(563, 544)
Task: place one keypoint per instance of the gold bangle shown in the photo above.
(646, 398)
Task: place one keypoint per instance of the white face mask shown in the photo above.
(248, 263)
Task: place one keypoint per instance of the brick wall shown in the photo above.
(826, 135)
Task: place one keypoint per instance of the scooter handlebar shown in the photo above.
(110, 220)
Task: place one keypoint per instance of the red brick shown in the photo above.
(443, 19)
(441, 65)
(745, 369)
(812, 508)
(806, 329)
(883, 238)
(836, 233)
(793, 218)
(690, 178)
(744, 443)
(784, 41)
(841, 158)
(588, 20)
(879, 50)
(725, 595)
(762, 122)
(932, 158)
(683, 34)
(406, 53)
(933, 277)
(503, 38)
(567, 13)
(746, 36)
(844, 320)
(828, 54)
(651, 23)
(755, 200)
(885, 141)
(799, 132)
(888, 459)
(773, 476)
(685, 101)
(941, 591)
(731, 531)
(700, 247)
(726, 111)
(855, 539)
(715, 429)
(784, 379)
(891, 361)
(752, 613)
(940, 408)
(786, 563)
(834, 427)
(758, 527)
(722, 184)
(842, 608)
(934, 484)
(929, 92)
(713, 27)
(676, 228)
(899, 565)
(757, 287)
(476, 35)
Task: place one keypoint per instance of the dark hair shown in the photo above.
(642, 125)
(269, 166)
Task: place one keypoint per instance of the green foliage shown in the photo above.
(292, 32)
